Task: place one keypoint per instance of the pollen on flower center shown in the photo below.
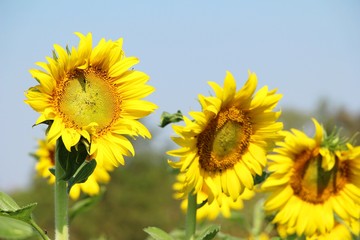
(312, 183)
(88, 97)
(224, 140)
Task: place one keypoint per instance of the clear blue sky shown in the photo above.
(307, 49)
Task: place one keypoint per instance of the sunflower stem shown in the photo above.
(61, 200)
(190, 223)
(39, 230)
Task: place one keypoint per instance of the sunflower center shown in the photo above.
(88, 97)
(312, 183)
(224, 140)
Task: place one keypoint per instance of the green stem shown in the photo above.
(61, 200)
(190, 223)
(39, 230)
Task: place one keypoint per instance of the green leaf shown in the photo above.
(157, 233)
(23, 214)
(167, 118)
(85, 204)
(224, 236)
(82, 175)
(70, 161)
(16, 222)
(209, 233)
(11, 228)
(7, 203)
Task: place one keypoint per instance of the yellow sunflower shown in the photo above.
(313, 182)
(226, 144)
(339, 231)
(46, 160)
(92, 93)
(211, 211)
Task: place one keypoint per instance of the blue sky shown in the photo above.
(309, 50)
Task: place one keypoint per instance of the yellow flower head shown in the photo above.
(226, 144)
(92, 93)
(339, 231)
(46, 160)
(211, 211)
(313, 182)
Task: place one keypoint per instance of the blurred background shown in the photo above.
(309, 51)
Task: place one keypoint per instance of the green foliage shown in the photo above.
(167, 118)
(84, 171)
(70, 161)
(11, 228)
(157, 233)
(16, 221)
(7, 203)
(208, 233)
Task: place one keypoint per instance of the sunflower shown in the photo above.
(313, 182)
(225, 145)
(93, 94)
(339, 231)
(46, 160)
(211, 211)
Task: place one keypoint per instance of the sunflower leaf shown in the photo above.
(157, 233)
(82, 175)
(7, 203)
(167, 118)
(224, 236)
(209, 233)
(11, 228)
(23, 214)
(16, 222)
(71, 161)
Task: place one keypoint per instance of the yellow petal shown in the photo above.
(229, 88)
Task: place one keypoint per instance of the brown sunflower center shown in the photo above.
(312, 183)
(224, 140)
(88, 97)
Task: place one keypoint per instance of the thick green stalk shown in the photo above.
(61, 201)
(190, 223)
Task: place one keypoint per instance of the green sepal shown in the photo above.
(198, 206)
(259, 179)
(82, 175)
(70, 161)
(157, 233)
(52, 170)
(46, 122)
(55, 57)
(208, 233)
(68, 51)
(167, 118)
